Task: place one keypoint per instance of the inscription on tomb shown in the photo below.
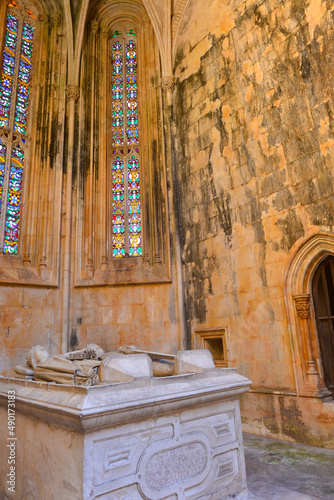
(180, 463)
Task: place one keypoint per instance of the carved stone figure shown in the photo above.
(78, 367)
(91, 365)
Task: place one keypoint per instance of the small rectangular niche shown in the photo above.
(215, 340)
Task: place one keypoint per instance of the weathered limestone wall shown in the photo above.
(28, 316)
(142, 315)
(253, 109)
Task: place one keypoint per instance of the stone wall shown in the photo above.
(63, 289)
(253, 111)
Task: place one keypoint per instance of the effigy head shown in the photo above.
(37, 354)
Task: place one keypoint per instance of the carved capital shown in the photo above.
(105, 31)
(302, 303)
(42, 19)
(167, 84)
(72, 92)
(143, 22)
(94, 25)
(56, 18)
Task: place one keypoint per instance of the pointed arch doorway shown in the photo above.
(323, 297)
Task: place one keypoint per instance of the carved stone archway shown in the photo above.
(301, 318)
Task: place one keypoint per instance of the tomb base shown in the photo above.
(167, 438)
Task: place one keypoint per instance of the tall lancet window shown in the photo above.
(14, 101)
(126, 207)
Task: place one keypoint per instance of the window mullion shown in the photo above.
(126, 207)
(125, 140)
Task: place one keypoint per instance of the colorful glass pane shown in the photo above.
(117, 94)
(131, 93)
(8, 65)
(13, 208)
(21, 108)
(2, 168)
(134, 208)
(118, 208)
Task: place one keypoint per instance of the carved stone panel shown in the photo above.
(180, 463)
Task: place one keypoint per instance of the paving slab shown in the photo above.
(261, 490)
(275, 474)
(284, 470)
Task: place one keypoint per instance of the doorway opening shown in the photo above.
(323, 296)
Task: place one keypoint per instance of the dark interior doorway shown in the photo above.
(323, 295)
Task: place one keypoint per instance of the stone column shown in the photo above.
(104, 154)
(44, 262)
(72, 95)
(90, 191)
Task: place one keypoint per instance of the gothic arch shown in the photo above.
(95, 264)
(300, 312)
(36, 261)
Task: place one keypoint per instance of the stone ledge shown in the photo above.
(88, 408)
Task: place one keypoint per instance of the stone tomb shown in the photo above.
(167, 438)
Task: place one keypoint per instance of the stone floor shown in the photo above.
(280, 470)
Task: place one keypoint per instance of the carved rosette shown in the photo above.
(72, 92)
(167, 84)
(302, 303)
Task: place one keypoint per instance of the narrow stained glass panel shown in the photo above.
(13, 207)
(118, 208)
(8, 65)
(2, 168)
(135, 248)
(131, 93)
(22, 99)
(117, 94)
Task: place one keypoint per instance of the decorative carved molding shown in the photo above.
(72, 92)
(302, 303)
(178, 14)
(167, 83)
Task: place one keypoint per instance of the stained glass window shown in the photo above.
(13, 206)
(126, 207)
(118, 228)
(8, 67)
(14, 100)
(3, 151)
